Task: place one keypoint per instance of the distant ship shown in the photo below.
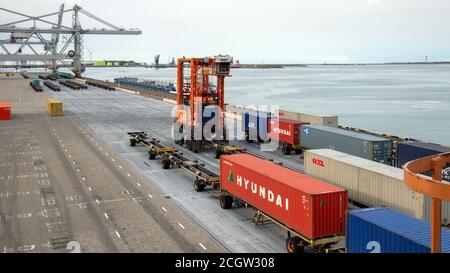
(236, 65)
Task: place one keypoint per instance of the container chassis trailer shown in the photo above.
(52, 86)
(100, 84)
(70, 85)
(173, 158)
(295, 241)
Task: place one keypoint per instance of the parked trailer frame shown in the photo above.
(171, 157)
(52, 86)
(70, 85)
(101, 85)
(82, 86)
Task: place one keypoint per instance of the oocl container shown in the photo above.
(384, 230)
(287, 132)
(307, 205)
(411, 150)
(370, 183)
(359, 144)
(5, 110)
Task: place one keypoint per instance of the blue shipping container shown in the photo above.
(256, 124)
(384, 230)
(411, 150)
(355, 143)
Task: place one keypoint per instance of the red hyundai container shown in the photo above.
(304, 204)
(5, 111)
(287, 130)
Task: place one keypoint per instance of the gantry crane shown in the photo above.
(34, 37)
(195, 92)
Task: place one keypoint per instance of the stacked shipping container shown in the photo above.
(370, 183)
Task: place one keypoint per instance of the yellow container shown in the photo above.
(55, 107)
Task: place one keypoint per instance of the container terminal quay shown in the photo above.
(88, 165)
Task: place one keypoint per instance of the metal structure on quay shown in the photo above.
(433, 187)
(34, 37)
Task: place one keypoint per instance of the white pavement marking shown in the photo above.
(120, 167)
(73, 162)
(84, 179)
(128, 174)
(200, 244)
(98, 202)
(113, 159)
(90, 189)
(106, 154)
(106, 215)
(164, 209)
(149, 195)
(117, 233)
(139, 185)
(181, 225)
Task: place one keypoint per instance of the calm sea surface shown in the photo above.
(403, 100)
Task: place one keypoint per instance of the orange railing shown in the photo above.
(433, 187)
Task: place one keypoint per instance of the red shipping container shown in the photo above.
(287, 131)
(5, 111)
(309, 206)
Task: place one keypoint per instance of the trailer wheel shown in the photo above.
(216, 154)
(298, 151)
(198, 186)
(151, 155)
(226, 201)
(165, 163)
(284, 150)
(294, 245)
(132, 142)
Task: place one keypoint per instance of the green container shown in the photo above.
(36, 82)
(64, 75)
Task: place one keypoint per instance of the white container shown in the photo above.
(368, 182)
(310, 118)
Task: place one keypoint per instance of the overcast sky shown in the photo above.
(281, 31)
